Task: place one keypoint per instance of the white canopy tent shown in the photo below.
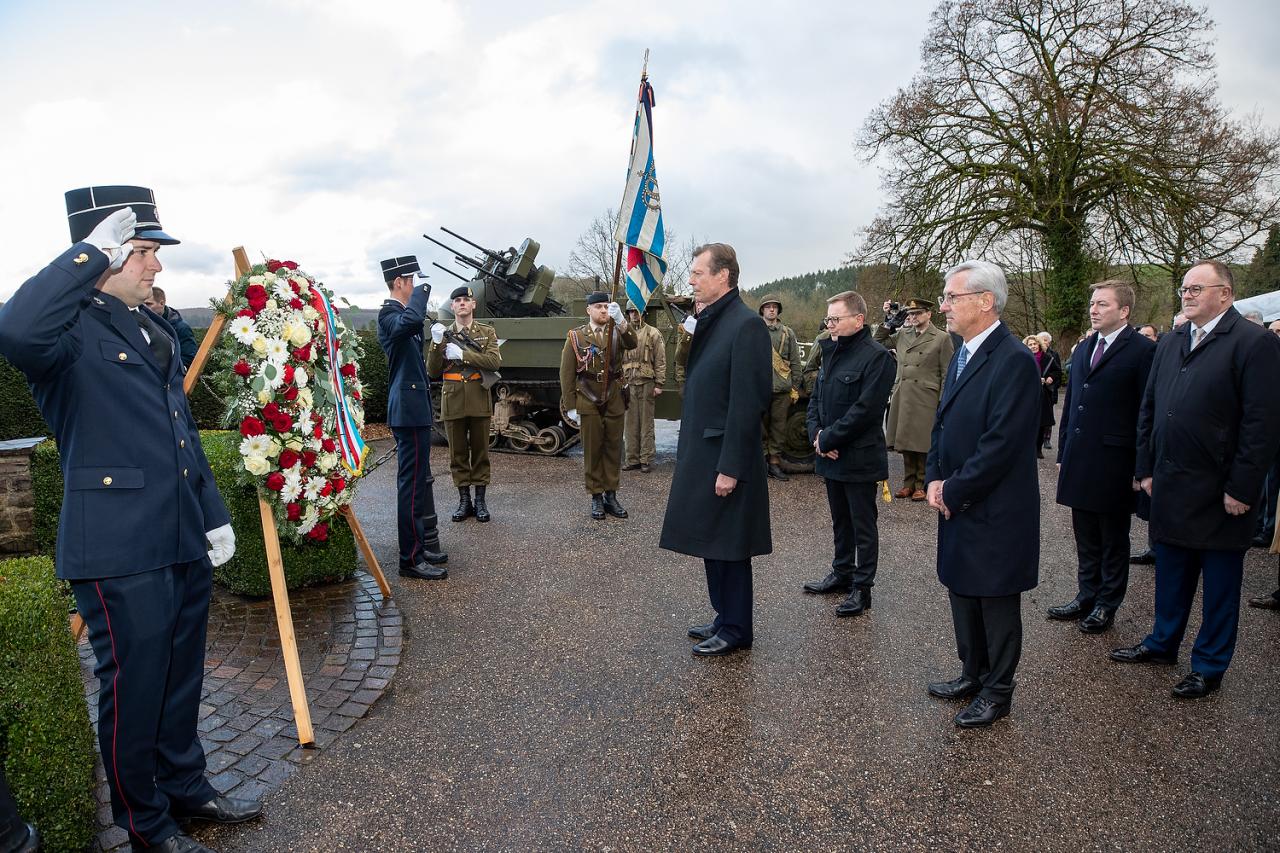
(1267, 303)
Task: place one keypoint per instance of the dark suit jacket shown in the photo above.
(1098, 439)
(186, 337)
(400, 335)
(848, 406)
(138, 494)
(1209, 424)
(984, 449)
(728, 386)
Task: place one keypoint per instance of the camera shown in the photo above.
(895, 317)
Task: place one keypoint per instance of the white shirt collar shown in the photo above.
(1111, 338)
(976, 341)
(1207, 327)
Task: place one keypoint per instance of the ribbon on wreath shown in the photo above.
(351, 446)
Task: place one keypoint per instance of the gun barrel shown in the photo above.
(492, 254)
(449, 271)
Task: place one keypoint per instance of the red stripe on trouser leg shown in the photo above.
(115, 711)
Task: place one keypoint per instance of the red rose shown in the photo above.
(283, 423)
(288, 373)
(271, 411)
(339, 484)
(308, 458)
(328, 444)
(246, 312)
(256, 293)
(347, 370)
(242, 368)
(302, 353)
(251, 426)
(295, 287)
(273, 265)
(275, 481)
(355, 394)
(318, 432)
(288, 458)
(319, 533)
(327, 490)
(291, 393)
(293, 511)
(295, 303)
(289, 265)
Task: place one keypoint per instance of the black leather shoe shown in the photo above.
(632, 466)
(831, 583)
(597, 507)
(1146, 558)
(1261, 541)
(703, 632)
(981, 712)
(645, 468)
(777, 473)
(432, 556)
(1098, 620)
(180, 844)
(222, 810)
(1266, 602)
(465, 508)
(859, 600)
(957, 688)
(612, 506)
(481, 506)
(1141, 654)
(1196, 686)
(1066, 612)
(31, 843)
(716, 645)
(424, 571)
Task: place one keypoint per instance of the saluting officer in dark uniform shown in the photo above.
(142, 523)
(409, 416)
(465, 404)
(582, 388)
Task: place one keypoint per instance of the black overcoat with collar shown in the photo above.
(984, 450)
(728, 386)
(847, 407)
(1098, 438)
(1209, 424)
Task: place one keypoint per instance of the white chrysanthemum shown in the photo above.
(326, 462)
(310, 518)
(277, 350)
(300, 377)
(276, 375)
(283, 291)
(291, 492)
(303, 423)
(244, 330)
(255, 445)
(259, 344)
(256, 465)
(313, 487)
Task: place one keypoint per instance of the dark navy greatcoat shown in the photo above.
(1098, 438)
(138, 493)
(848, 406)
(984, 448)
(400, 334)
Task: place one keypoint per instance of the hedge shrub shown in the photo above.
(19, 417)
(373, 373)
(46, 484)
(46, 743)
(206, 406)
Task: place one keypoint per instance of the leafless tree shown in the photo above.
(595, 255)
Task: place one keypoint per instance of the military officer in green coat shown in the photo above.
(465, 404)
(924, 353)
(786, 380)
(598, 405)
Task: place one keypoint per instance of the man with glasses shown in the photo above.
(1208, 430)
(982, 480)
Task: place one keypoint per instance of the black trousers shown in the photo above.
(148, 635)
(729, 588)
(989, 641)
(1102, 553)
(416, 521)
(12, 829)
(853, 522)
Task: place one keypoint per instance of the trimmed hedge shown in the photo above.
(206, 406)
(46, 743)
(19, 417)
(373, 375)
(46, 485)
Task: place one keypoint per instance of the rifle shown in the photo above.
(487, 377)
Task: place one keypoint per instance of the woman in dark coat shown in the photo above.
(1050, 378)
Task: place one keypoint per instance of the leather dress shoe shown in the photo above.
(1067, 612)
(776, 472)
(981, 712)
(597, 507)
(703, 632)
(716, 645)
(31, 843)
(612, 507)
(424, 571)
(859, 600)
(1098, 620)
(481, 505)
(957, 688)
(1260, 542)
(1196, 686)
(645, 468)
(918, 495)
(435, 558)
(180, 843)
(831, 583)
(1266, 602)
(1146, 558)
(631, 466)
(222, 810)
(1141, 654)
(904, 492)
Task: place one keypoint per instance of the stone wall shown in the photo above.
(17, 502)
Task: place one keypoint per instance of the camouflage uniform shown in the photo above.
(786, 380)
(643, 369)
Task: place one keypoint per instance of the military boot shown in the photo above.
(432, 552)
(482, 509)
(775, 469)
(597, 506)
(612, 506)
(464, 504)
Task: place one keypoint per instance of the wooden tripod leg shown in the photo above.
(284, 620)
(370, 561)
(77, 626)
(216, 325)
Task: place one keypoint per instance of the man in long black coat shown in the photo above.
(845, 418)
(982, 479)
(1208, 429)
(719, 503)
(1097, 447)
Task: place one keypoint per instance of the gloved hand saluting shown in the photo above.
(222, 544)
(615, 311)
(453, 351)
(111, 236)
(437, 333)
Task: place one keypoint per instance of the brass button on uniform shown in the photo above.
(124, 356)
(184, 472)
(175, 413)
(81, 258)
(182, 442)
(106, 481)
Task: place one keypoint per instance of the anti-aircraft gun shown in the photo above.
(508, 283)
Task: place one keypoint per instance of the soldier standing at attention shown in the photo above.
(924, 352)
(786, 379)
(465, 404)
(583, 391)
(644, 369)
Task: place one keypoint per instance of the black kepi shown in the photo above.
(88, 206)
(405, 265)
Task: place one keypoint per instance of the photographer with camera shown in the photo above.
(923, 352)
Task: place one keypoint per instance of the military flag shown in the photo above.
(639, 227)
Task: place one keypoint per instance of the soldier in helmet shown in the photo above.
(644, 369)
(466, 406)
(786, 379)
(596, 401)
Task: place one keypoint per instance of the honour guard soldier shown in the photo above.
(786, 380)
(400, 328)
(142, 523)
(597, 399)
(924, 351)
(465, 405)
(644, 370)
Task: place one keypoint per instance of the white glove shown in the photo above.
(437, 333)
(222, 544)
(573, 415)
(111, 236)
(689, 323)
(615, 311)
(453, 351)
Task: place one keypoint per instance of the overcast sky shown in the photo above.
(335, 132)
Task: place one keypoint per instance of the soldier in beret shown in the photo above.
(466, 406)
(787, 370)
(142, 523)
(597, 403)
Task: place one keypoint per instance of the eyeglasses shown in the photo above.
(1195, 289)
(831, 321)
(952, 297)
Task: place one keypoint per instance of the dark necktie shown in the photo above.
(1097, 352)
(159, 341)
(962, 361)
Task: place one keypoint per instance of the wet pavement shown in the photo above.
(546, 700)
